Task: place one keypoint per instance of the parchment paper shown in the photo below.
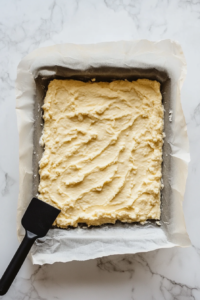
(62, 245)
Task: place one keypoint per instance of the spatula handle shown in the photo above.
(16, 262)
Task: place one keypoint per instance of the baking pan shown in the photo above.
(106, 74)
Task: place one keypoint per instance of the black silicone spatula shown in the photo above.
(37, 220)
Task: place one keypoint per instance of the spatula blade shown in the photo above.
(39, 217)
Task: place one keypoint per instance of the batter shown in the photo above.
(103, 151)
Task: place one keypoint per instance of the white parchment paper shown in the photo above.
(82, 243)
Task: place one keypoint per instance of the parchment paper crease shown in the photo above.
(82, 243)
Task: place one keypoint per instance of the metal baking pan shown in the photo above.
(106, 74)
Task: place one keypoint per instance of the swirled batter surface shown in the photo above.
(103, 151)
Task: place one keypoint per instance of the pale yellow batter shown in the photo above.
(103, 151)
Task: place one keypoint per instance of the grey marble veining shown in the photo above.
(26, 25)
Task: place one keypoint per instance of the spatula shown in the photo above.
(37, 220)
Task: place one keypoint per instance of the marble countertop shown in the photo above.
(26, 25)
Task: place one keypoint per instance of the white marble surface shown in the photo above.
(25, 25)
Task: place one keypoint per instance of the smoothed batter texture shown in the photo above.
(103, 151)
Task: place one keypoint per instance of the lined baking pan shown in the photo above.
(106, 74)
